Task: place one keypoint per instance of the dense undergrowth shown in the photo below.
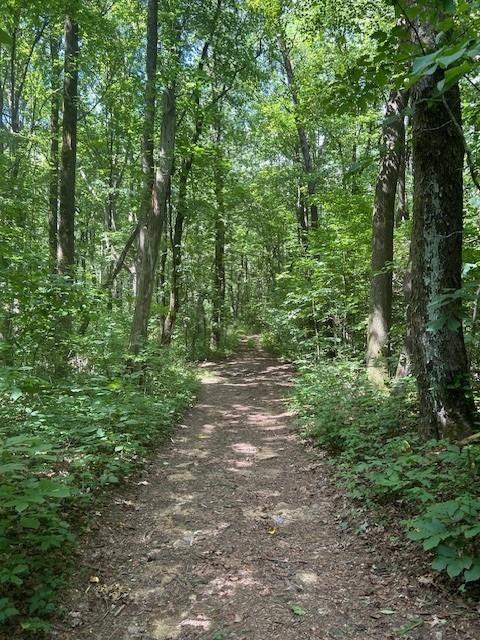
(433, 486)
(61, 444)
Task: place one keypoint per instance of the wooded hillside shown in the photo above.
(177, 173)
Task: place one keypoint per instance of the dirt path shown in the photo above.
(192, 551)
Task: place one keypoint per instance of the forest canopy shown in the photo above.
(177, 173)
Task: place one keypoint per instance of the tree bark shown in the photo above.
(438, 348)
(66, 217)
(54, 147)
(402, 212)
(138, 332)
(174, 301)
(151, 232)
(380, 317)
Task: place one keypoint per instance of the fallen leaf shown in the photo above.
(298, 611)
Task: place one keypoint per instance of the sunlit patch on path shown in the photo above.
(236, 533)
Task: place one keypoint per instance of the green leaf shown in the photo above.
(473, 573)
(431, 543)
(16, 394)
(4, 37)
(11, 466)
(471, 532)
(455, 567)
(29, 522)
(424, 62)
(447, 59)
(297, 610)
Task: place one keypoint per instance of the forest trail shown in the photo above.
(190, 550)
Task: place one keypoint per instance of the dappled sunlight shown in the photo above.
(208, 428)
(239, 471)
(276, 427)
(181, 476)
(227, 586)
(200, 621)
(165, 629)
(245, 448)
(194, 453)
(278, 438)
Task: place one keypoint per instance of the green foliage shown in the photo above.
(60, 444)
(451, 530)
(385, 463)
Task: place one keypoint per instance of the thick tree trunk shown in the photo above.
(152, 232)
(66, 219)
(438, 348)
(301, 131)
(54, 146)
(380, 317)
(218, 302)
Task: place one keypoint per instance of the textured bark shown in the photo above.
(151, 233)
(301, 131)
(54, 148)
(378, 347)
(402, 212)
(66, 217)
(438, 348)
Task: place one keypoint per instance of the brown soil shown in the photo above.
(192, 550)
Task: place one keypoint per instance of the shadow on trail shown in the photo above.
(234, 533)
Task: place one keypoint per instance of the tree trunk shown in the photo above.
(152, 232)
(66, 219)
(174, 302)
(379, 321)
(439, 354)
(54, 133)
(218, 301)
(301, 131)
(138, 332)
(402, 212)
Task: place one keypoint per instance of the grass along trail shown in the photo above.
(236, 531)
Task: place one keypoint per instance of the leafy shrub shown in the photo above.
(383, 461)
(451, 530)
(60, 444)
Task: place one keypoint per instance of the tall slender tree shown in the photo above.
(55, 73)
(68, 164)
(380, 317)
(138, 331)
(303, 142)
(218, 301)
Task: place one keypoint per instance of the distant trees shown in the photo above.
(165, 185)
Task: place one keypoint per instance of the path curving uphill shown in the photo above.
(236, 531)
